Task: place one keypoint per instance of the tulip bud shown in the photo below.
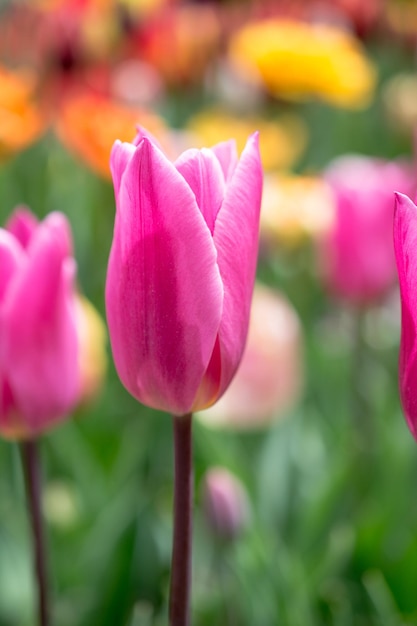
(225, 503)
(357, 256)
(39, 372)
(181, 269)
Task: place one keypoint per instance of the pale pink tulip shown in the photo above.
(358, 261)
(181, 269)
(270, 377)
(405, 243)
(39, 373)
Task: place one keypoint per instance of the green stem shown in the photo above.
(362, 428)
(360, 404)
(32, 474)
(179, 604)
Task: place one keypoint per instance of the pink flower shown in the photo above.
(181, 269)
(405, 244)
(225, 503)
(357, 256)
(269, 379)
(39, 374)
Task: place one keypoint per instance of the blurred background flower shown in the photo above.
(92, 337)
(295, 208)
(225, 503)
(269, 380)
(400, 100)
(296, 60)
(87, 124)
(175, 43)
(21, 119)
(281, 142)
(357, 253)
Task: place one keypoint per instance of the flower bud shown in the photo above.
(225, 503)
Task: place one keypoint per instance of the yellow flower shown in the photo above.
(400, 101)
(295, 208)
(298, 60)
(92, 335)
(281, 143)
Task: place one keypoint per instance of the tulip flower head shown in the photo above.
(39, 373)
(181, 269)
(357, 255)
(405, 244)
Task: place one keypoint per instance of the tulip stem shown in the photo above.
(360, 409)
(179, 603)
(32, 475)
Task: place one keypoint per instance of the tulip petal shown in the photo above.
(10, 423)
(142, 132)
(22, 225)
(164, 293)
(236, 235)
(202, 171)
(405, 244)
(227, 156)
(42, 342)
(11, 257)
(120, 156)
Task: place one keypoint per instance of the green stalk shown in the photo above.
(180, 590)
(32, 475)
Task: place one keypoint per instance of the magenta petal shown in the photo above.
(120, 156)
(236, 235)
(227, 156)
(22, 224)
(41, 351)
(202, 171)
(11, 258)
(163, 293)
(142, 133)
(405, 244)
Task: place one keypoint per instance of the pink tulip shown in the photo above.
(39, 346)
(181, 269)
(225, 503)
(405, 244)
(357, 256)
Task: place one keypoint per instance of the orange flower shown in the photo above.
(402, 17)
(298, 60)
(21, 121)
(89, 124)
